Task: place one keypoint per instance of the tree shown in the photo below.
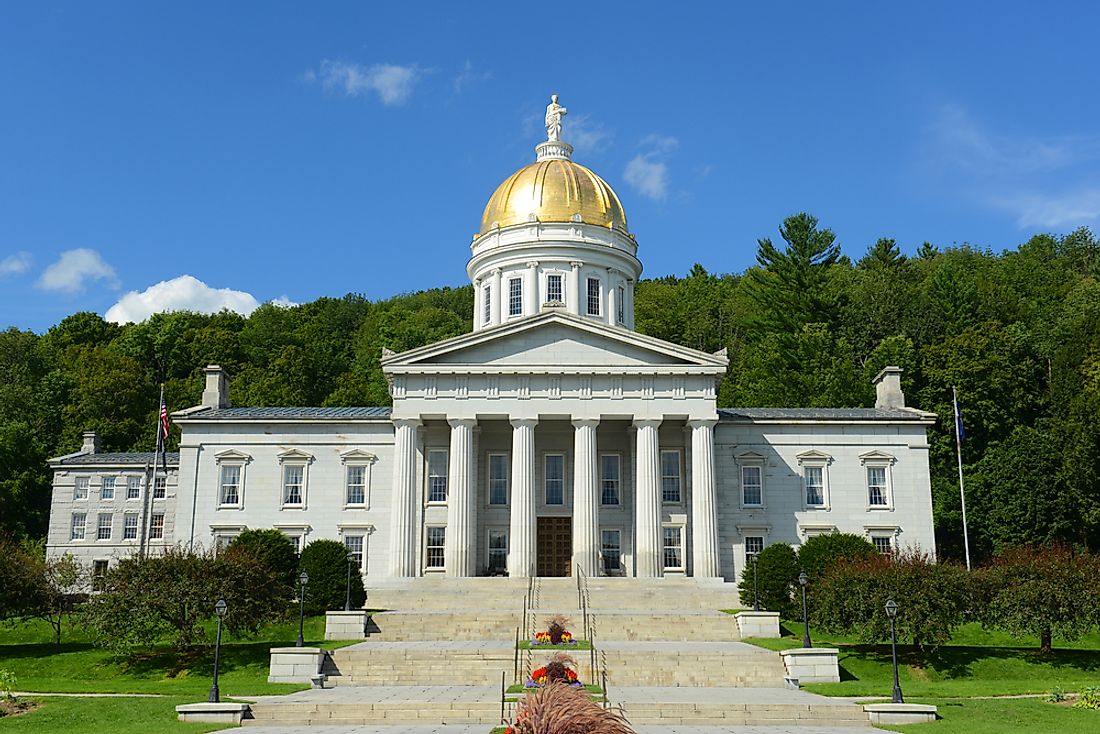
(1046, 591)
(819, 553)
(777, 573)
(326, 562)
(271, 549)
(61, 583)
(20, 591)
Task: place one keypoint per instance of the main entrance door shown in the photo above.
(554, 544)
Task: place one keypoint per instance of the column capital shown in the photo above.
(523, 422)
(406, 422)
(702, 422)
(532, 263)
(462, 422)
(647, 422)
(585, 422)
(575, 264)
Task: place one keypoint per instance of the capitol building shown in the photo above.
(552, 438)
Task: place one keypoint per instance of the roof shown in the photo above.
(753, 415)
(120, 457)
(287, 414)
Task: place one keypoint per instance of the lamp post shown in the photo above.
(347, 597)
(803, 581)
(755, 592)
(892, 612)
(219, 609)
(303, 579)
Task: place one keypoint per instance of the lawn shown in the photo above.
(1003, 716)
(116, 715)
(974, 663)
(581, 645)
(78, 666)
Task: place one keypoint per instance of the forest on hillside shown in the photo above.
(1017, 332)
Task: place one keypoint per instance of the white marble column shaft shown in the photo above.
(649, 563)
(586, 497)
(573, 291)
(459, 551)
(704, 500)
(402, 523)
(531, 298)
(521, 534)
(499, 302)
(612, 301)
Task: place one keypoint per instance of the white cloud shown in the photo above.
(283, 301)
(20, 262)
(650, 177)
(469, 76)
(391, 82)
(659, 144)
(1071, 209)
(585, 134)
(185, 293)
(74, 269)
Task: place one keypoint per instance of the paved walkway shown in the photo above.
(481, 729)
(665, 647)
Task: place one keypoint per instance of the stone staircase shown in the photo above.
(421, 663)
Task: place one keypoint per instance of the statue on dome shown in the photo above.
(554, 113)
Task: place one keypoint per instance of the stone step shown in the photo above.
(691, 664)
(745, 714)
(400, 712)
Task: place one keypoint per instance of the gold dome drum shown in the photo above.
(554, 190)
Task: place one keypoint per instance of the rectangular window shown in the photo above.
(554, 476)
(230, 485)
(487, 304)
(436, 541)
(156, 526)
(814, 477)
(354, 544)
(673, 537)
(107, 488)
(160, 486)
(553, 289)
(293, 477)
(437, 476)
(80, 489)
(498, 551)
(884, 544)
(221, 542)
(133, 488)
(609, 479)
(752, 490)
(593, 296)
(357, 485)
(498, 479)
(296, 540)
(129, 526)
(622, 308)
(103, 527)
(515, 297)
(754, 544)
(670, 476)
(76, 528)
(876, 486)
(611, 549)
(99, 573)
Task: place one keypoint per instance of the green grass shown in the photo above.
(26, 648)
(1003, 716)
(115, 715)
(581, 645)
(974, 663)
(518, 688)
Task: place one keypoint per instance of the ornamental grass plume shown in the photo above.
(555, 625)
(557, 665)
(561, 709)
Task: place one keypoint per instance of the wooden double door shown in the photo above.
(554, 546)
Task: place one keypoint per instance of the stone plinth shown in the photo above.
(343, 625)
(758, 624)
(295, 664)
(213, 713)
(900, 713)
(812, 664)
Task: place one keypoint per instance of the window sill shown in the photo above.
(437, 503)
(753, 507)
(292, 507)
(433, 569)
(230, 507)
(816, 507)
(880, 508)
(356, 506)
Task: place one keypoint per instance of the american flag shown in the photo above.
(162, 434)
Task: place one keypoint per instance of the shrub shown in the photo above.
(1089, 698)
(821, 552)
(7, 684)
(1047, 592)
(778, 569)
(271, 549)
(561, 709)
(932, 598)
(326, 562)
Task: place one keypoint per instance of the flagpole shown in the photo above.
(962, 490)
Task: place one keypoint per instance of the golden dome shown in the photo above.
(553, 190)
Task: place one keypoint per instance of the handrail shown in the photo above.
(503, 719)
(515, 660)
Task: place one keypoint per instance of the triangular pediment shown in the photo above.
(555, 340)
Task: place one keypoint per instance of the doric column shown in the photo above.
(531, 289)
(573, 292)
(586, 498)
(459, 551)
(521, 535)
(647, 532)
(498, 300)
(704, 510)
(402, 524)
(479, 305)
(612, 300)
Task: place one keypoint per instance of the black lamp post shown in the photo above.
(347, 598)
(303, 579)
(803, 581)
(219, 609)
(892, 612)
(755, 592)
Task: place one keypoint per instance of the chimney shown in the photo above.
(888, 392)
(216, 394)
(91, 443)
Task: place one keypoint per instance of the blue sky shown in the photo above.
(289, 151)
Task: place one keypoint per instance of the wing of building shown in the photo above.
(550, 438)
